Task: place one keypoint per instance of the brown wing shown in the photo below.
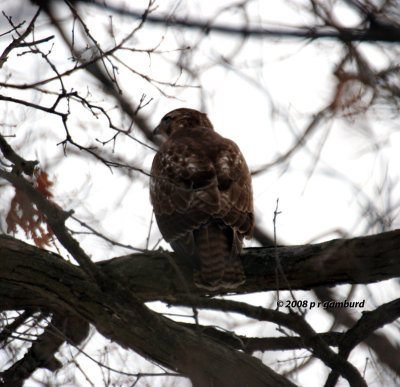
(234, 183)
(202, 198)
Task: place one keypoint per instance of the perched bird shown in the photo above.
(200, 189)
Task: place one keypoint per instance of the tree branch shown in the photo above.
(384, 32)
(56, 218)
(96, 70)
(253, 344)
(291, 320)
(41, 353)
(20, 164)
(365, 326)
(64, 288)
(359, 260)
(150, 275)
(385, 350)
(20, 40)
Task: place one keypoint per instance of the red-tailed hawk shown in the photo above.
(200, 188)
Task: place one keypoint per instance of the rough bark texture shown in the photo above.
(32, 277)
(359, 260)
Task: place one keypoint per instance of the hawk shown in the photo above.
(200, 189)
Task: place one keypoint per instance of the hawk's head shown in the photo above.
(180, 119)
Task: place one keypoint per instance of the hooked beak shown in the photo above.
(157, 130)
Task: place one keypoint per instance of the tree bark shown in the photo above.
(358, 260)
(30, 276)
(33, 277)
(341, 261)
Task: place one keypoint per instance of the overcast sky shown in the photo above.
(262, 100)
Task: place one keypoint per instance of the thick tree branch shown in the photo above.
(293, 321)
(64, 288)
(33, 279)
(359, 260)
(151, 275)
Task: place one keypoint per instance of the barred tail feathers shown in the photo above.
(218, 264)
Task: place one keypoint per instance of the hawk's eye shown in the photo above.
(167, 120)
